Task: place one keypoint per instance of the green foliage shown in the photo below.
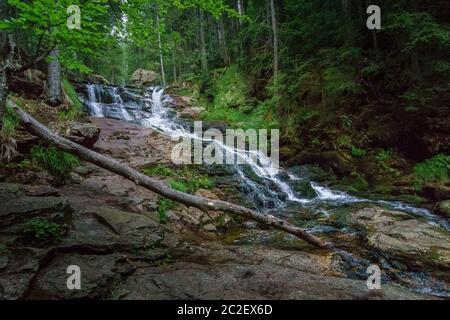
(356, 152)
(56, 162)
(159, 170)
(435, 169)
(41, 229)
(382, 157)
(45, 21)
(75, 108)
(192, 184)
(164, 205)
(232, 103)
(10, 123)
(179, 185)
(200, 182)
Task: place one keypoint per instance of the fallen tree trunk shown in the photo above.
(36, 128)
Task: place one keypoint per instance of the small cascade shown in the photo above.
(94, 100)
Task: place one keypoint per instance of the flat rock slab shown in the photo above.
(235, 274)
(17, 206)
(98, 275)
(404, 237)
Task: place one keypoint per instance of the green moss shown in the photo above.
(57, 163)
(232, 104)
(435, 169)
(42, 229)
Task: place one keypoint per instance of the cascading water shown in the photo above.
(93, 101)
(273, 187)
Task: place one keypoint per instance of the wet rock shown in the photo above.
(85, 134)
(304, 189)
(98, 79)
(255, 273)
(326, 159)
(137, 230)
(443, 208)
(403, 237)
(143, 77)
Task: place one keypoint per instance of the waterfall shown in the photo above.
(93, 101)
(273, 187)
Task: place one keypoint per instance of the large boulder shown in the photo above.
(143, 77)
(443, 208)
(85, 134)
(98, 79)
(403, 237)
(29, 84)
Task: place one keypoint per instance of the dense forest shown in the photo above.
(363, 109)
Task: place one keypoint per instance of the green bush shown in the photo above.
(58, 163)
(435, 169)
(42, 229)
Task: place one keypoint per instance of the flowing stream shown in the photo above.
(274, 190)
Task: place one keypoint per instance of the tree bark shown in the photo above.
(161, 56)
(204, 56)
(54, 79)
(205, 204)
(276, 59)
(5, 71)
(223, 42)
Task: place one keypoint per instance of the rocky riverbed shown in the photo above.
(113, 233)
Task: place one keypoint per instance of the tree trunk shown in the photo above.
(240, 5)
(5, 70)
(174, 64)
(204, 57)
(161, 56)
(223, 42)
(276, 60)
(205, 204)
(54, 79)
